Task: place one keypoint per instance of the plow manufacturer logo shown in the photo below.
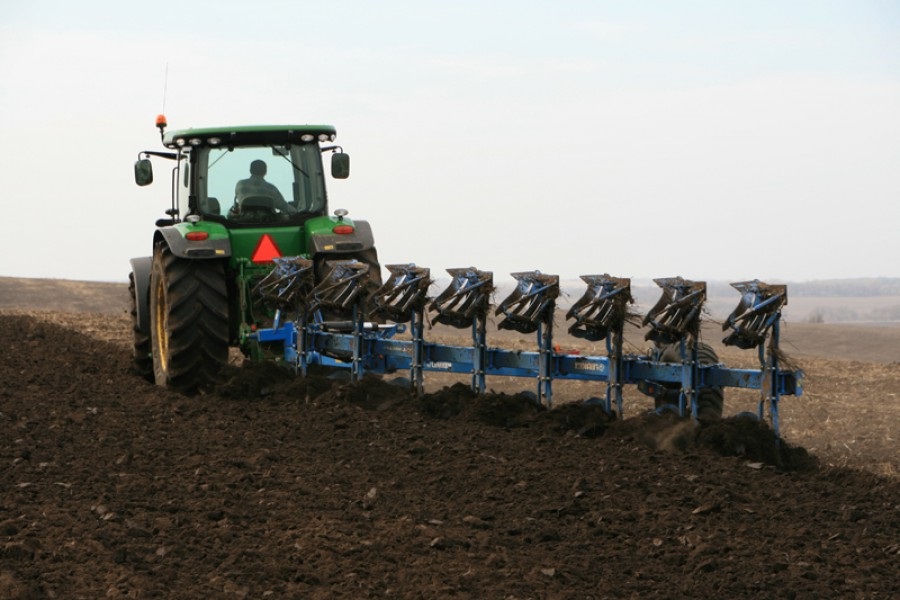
(444, 365)
(585, 365)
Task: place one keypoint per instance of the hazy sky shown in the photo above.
(708, 139)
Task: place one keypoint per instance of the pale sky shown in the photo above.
(718, 140)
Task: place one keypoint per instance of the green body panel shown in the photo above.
(216, 244)
(291, 241)
(324, 225)
(216, 231)
(242, 242)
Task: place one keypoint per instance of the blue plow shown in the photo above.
(302, 337)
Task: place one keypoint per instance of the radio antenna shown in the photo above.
(165, 88)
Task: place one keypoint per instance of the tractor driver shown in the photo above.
(256, 185)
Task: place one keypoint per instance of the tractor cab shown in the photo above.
(248, 176)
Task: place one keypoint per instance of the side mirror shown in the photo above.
(340, 165)
(143, 172)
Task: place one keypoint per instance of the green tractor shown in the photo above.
(242, 197)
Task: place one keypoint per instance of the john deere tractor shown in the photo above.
(241, 198)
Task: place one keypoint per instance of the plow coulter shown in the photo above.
(681, 373)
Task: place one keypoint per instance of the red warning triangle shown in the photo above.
(266, 250)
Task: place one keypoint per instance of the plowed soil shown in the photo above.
(276, 487)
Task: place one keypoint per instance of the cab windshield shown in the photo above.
(261, 184)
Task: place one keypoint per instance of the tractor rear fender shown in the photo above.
(140, 267)
(217, 245)
(328, 242)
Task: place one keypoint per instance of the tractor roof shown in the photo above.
(249, 135)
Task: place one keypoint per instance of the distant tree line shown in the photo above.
(842, 314)
(824, 288)
(863, 287)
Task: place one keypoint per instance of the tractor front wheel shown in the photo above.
(188, 320)
(142, 351)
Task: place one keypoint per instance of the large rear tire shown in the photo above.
(188, 320)
(710, 400)
(142, 350)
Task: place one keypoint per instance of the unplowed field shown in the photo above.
(274, 487)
